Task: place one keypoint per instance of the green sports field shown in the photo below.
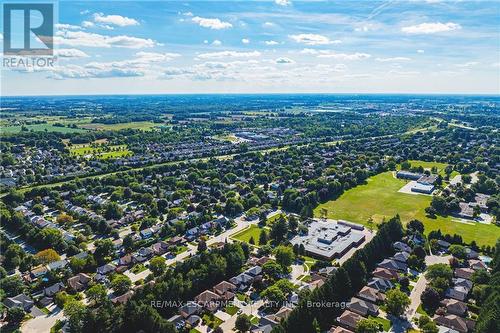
(380, 199)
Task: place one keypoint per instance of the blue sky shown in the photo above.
(269, 47)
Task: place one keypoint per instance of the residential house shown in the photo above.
(455, 322)
(122, 299)
(39, 271)
(106, 269)
(400, 246)
(454, 307)
(339, 329)
(79, 282)
(380, 284)
(477, 264)
(53, 289)
(208, 300)
(457, 292)
(371, 294)
(159, 248)
(362, 307)
(189, 309)
(20, 301)
(225, 290)
(464, 273)
(242, 281)
(401, 257)
(385, 273)
(349, 319)
(394, 265)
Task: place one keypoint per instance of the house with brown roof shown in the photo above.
(362, 307)
(159, 248)
(455, 322)
(385, 273)
(79, 282)
(208, 299)
(371, 295)
(454, 306)
(339, 329)
(225, 290)
(476, 264)
(126, 260)
(464, 273)
(349, 319)
(122, 299)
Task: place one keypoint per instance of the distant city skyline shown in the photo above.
(414, 47)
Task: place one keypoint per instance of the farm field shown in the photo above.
(102, 152)
(140, 125)
(41, 128)
(380, 199)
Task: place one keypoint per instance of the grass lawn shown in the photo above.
(379, 199)
(180, 249)
(138, 268)
(212, 321)
(254, 320)
(140, 125)
(241, 297)
(428, 165)
(41, 128)
(421, 310)
(231, 309)
(245, 235)
(385, 322)
(103, 152)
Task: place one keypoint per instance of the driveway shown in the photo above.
(42, 323)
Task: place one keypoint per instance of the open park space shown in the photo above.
(379, 199)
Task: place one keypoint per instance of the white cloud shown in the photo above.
(334, 55)
(84, 12)
(268, 24)
(62, 26)
(216, 42)
(87, 24)
(245, 41)
(117, 20)
(211, 23)
(431, 28)
(420, 51)
(284, 60)
(393, 59)
(82, 38)
(345, 56)
(229, 54)
(155, 56)
(271, 42)
(144, 64)
(468, 64)
(283, 2)
(71, 53)
(187, 14)
(313, 39)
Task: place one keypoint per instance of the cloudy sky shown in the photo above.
(269, 47)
